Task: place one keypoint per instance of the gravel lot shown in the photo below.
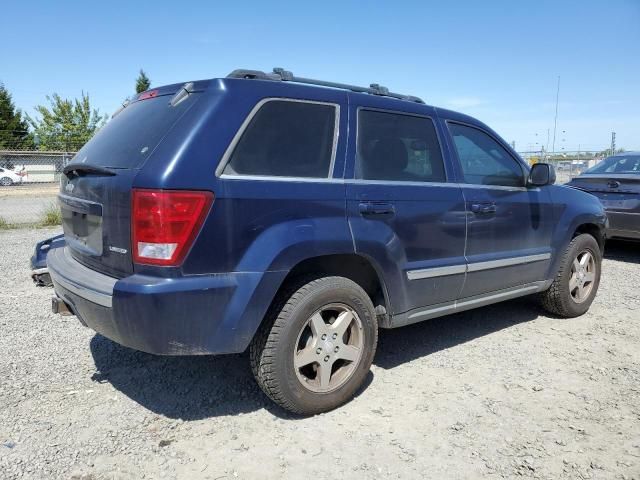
(504, 391)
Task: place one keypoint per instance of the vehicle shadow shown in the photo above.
(624, 251)
(198, 387)
(402, 345)
(187, 387)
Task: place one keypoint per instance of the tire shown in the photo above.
(571, 294)
(295, 365)
(6, 182)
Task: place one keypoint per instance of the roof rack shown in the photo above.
(282, 75)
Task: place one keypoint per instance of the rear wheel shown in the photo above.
(317, 351)
(577, 281)
(6, 181)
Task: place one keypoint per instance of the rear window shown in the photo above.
(621, 164)
(128, 139)
(286, 138)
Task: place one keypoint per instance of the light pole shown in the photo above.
(555, 120)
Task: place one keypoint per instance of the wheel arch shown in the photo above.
(358, 268)
(593, 229)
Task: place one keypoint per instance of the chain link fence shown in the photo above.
(568, 164)
(29, 181)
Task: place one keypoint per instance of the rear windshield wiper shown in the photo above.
(78, 170)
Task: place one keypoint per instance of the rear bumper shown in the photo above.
(39, 270)
(196, 315)
(39, 257)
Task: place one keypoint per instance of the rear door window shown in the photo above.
(397, 147)
(130, 137)
(287, 138)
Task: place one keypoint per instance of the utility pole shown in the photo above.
(547, 140)
(555, 120)
(613, 143)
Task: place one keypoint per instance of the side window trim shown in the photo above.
(458, 163)
(226, 157)
(433, 120)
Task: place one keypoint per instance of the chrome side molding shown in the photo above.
(475, 267)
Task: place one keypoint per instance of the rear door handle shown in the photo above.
(483, 208)
(374, 208)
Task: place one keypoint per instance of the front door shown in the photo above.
(509, 225)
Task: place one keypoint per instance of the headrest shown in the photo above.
(387, 160)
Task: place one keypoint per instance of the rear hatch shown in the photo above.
(95, 192)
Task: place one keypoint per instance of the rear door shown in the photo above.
(95, 192)
(403, 211)
(509, 226)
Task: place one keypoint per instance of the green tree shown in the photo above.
(142, 82)
(65, 125)
(14, 130)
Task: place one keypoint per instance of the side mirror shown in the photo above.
(542, 174)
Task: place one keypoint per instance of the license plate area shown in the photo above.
(82, 224)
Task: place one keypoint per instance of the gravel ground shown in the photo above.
(500, 392)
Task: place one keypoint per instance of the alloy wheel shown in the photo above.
(583, 275)
(329, 348)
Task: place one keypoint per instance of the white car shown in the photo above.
(8, 177)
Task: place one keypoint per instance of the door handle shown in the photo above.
(483, 208)
(373, 208)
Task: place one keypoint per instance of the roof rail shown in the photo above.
(280, 74)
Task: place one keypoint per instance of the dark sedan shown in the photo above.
(616, 182)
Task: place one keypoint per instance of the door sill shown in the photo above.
(460, 305)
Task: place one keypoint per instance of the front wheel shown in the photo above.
(316, 352)
(6, 182)
(577, 281)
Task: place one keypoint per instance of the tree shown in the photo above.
(65, 125)
(14, 130)
(142, 82)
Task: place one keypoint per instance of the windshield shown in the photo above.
(131, 136)
(619, 164)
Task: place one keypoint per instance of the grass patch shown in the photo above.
(51, 216)
(4, 225)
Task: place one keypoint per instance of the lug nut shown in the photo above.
(335, 335)
(336, 349)
(324, 336)
(326, 359)
(319, 351)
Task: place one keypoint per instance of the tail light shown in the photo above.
(164, 224)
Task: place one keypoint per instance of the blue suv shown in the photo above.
(295, 217)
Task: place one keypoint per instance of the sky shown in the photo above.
(498, 61)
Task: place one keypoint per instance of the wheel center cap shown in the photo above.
(327, 346)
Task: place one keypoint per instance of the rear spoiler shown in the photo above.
(179, 91)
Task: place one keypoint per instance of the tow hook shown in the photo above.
(60, 307)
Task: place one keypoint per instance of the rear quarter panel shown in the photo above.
(258, 228)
